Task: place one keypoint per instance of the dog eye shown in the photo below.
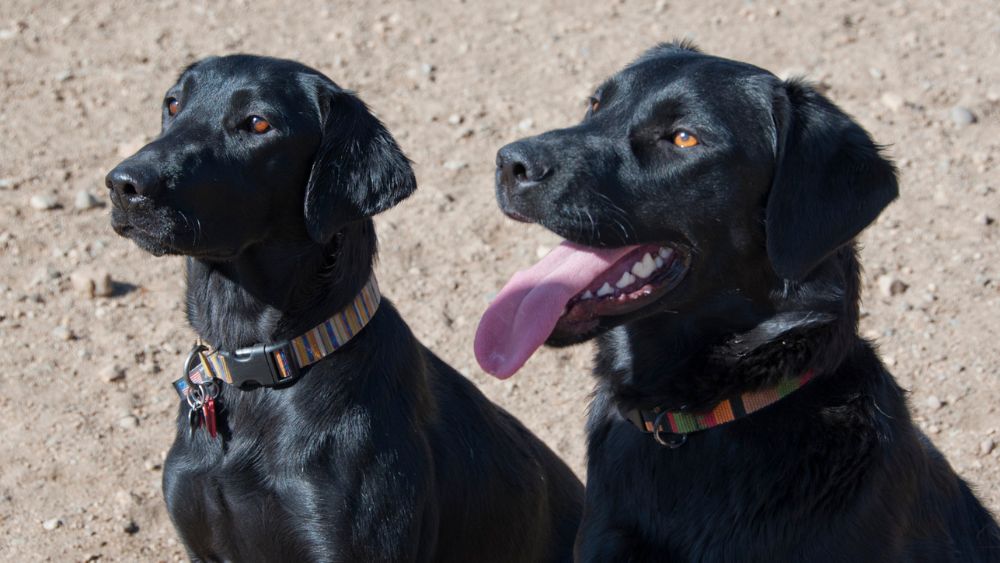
(594, 104)
(173, 106)
(685, 140)
(258, 124)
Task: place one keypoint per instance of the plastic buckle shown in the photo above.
(256, 364)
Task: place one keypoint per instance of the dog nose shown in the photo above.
(128, 180)
(521, 166)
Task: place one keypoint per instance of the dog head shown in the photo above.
(255, 149)
(693, 182)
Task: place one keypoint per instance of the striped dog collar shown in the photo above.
(670, 428)
(281, 362)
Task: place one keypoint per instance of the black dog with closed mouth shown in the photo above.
(712, 209)
(266, 175)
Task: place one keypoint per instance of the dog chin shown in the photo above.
(147, 242)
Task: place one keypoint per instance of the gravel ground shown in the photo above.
(92, 331)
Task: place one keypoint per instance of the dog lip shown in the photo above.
(517, 216)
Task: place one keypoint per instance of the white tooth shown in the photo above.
(645, 268)
(638, 270)
(627, 280)
(648, 262)
(665, 252)
(587, 295)
(659, 262)
(605, 290)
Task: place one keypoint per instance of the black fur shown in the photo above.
(764, 209)
(381, 452)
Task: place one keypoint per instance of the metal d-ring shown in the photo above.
(676, 440)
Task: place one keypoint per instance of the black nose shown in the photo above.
(129, 180)
(522, 165)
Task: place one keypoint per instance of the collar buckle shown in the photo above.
(258, 365)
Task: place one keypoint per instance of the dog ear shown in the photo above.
(829, 184)
(358, 170)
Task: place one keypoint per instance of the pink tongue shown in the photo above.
(522, 316)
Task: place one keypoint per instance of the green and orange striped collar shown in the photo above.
(274, 364)
(670, 428)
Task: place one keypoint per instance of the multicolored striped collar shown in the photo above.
(275, 364)
(670, 428)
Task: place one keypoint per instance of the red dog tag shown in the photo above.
(208, 410)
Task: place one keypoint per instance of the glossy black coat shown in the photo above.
(765, 208)
(381, 451)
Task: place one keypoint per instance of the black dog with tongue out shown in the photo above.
(710, 211)
(317, 427)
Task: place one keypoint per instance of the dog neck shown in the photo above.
(694, 360)
(274, 291)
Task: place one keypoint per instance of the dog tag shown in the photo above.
(208, 413)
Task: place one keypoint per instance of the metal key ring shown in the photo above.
(195, 397)
(673, 443)
(210, 388)
(197, 349)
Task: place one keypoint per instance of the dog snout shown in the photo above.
(130, 179)
(522, 166)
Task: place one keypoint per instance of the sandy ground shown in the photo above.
(85, 403)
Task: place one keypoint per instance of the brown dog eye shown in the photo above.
(259, 125)
(594, 104)
(685, 140)
(172, 106)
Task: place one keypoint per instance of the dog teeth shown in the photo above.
(659, 262)
(587, 295)
(605, 290)
(665, 252)
(626, 280)
(645, 267)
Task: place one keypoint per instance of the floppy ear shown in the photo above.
(358, 171)
(829, 184)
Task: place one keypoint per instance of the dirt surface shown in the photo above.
(85, 404)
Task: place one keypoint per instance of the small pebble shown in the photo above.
(984, 219)
(526, 124)
(892, 101)
(455, 119)
(986, 446)
(151, 465)
(934, 403)
(455, 165)
(131, 528)
(62, 333)
(962, 116)
(111, 373)
(85, 200)
(82, 283)
(890, 286)
(92, 283)
(43, 202)
(128, 422)
(51, 524)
